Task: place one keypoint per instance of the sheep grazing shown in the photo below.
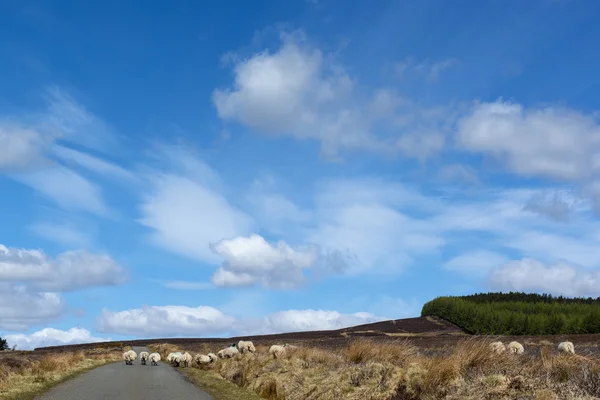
(246, 346)
(186, 359)
(154, 358)
(497, 347)
(143, 357)
(566, 347)
(201, 359)
(129, 356)
(228, 352)
(276, 350)
(515, 348)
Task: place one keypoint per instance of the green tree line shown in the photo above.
(517, 313)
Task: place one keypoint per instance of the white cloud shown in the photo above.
(475, 264)
(560, 278)
(186, 216)
(21, 147)
(165, 321)
(177, 321)
(20, 308)
(555, 205)
(67, 188)
(365, 219)
(73, 122)
(305, 320)
(71, 270)
(92, 163)
(545, 142)
(252, 260)
(51, 337)
(301, 92)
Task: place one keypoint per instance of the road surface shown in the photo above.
(118, 381)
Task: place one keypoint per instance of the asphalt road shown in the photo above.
(118, 381)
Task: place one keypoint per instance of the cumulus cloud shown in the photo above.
(252, 260)
(301, 92)
(165, 321)
(51, 337)
(177, 321)
(69, 271)
(559, 278)
(537, 142)
(21, 308)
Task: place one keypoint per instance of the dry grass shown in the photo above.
(397, 370)
(24, 375)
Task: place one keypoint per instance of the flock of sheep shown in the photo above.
(517, 348)
(185, 360)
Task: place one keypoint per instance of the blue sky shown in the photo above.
(234, 167)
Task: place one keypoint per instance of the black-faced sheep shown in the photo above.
(144, 356)
(154, 358)
(515, 348)
(129, 356)
(246, 346)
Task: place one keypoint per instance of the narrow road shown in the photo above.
(118, 381)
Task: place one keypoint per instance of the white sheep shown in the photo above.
(202, 359)
(174, 358)
(566, 347)
(246, 346)
(515, 348)
(144, 356)
(154, 358)
(497, 347)
(129, 356)
(228, 352)
(186, 359)
(276, 350)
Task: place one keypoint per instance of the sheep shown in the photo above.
(276, 350)
(202, 359)
(244, 346)
(154, 358)
(129, 356)
(186, 359)
(516, 348)
(174, 358)
(228, 352)
(143, 357)
(497, 347)
(566, 347)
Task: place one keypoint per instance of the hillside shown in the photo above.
(408, 327)
(517, 314)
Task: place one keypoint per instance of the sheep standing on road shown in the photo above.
(129, 356)
(154, 358)
(566, 347)
(515, 348)
(228, 352)
(246, 346)
(497, 347)
(174, 358)
(143, 357)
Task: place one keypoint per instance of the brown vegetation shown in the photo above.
(24, 374)
(399, 370)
